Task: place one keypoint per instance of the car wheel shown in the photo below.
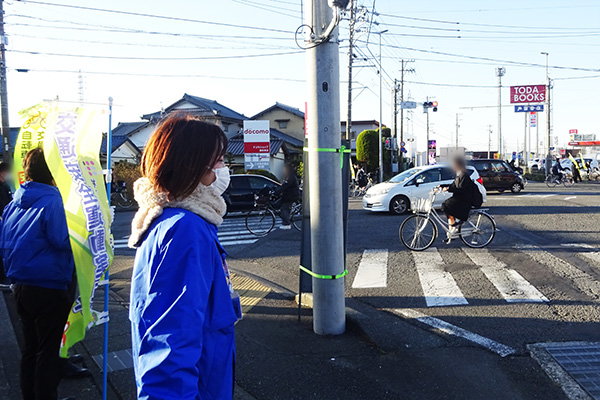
(501, 191)
(399, 205)
(516, 187)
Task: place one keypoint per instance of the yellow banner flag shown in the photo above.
(31, 135)
(71, 146)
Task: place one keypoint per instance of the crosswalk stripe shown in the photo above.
(592, 256)
(439, 287)
(229, 233)
(234, 242)
(511, 285)
(372, 271)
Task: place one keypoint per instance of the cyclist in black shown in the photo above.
(290, 193)
(557, 171)
(361, 177)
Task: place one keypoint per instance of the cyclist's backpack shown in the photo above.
(476, 196)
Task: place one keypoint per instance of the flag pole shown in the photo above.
(106, 287)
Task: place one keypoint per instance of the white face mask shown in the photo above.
(222, 182)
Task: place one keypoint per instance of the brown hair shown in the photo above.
(180, 152)
(35, 167)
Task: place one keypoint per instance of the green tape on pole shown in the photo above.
(341, 150)
(319, 276)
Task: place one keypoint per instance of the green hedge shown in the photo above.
(367, 149)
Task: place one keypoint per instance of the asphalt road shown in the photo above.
(538, 281)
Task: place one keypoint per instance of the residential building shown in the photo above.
(285, 119)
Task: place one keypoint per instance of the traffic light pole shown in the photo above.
(5, 127)
(325, 175)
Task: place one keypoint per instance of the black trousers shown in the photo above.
(43, 313)
(286, 208)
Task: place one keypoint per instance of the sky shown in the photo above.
(243, 54)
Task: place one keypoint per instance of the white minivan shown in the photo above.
(395, 195)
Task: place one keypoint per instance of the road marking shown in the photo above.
(439, 287)
(547, 195)
(570, 197)
(593, 256)
(236, 242)
(229, 233)
(583, 245)
(498, 348)
(372, 271)
(580, 279)
(511, 285)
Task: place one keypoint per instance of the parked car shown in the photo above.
(498, 175)
(533, 163)
(395, 195)
(567, 163)
(239, 196)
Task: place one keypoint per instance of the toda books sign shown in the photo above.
(528, 94)
(257, 147)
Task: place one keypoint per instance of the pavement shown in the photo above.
(464, 324)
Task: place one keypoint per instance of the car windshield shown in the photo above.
(405, 175)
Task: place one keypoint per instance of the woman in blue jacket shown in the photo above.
(35, 247)
(183, 308)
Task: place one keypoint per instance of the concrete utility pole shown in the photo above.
(403, 71)
(525, 153)
(548, 121)
(457, 126)
(5, 127)
(350, 62)
(500, 71)
(380, 110)
(325, 175)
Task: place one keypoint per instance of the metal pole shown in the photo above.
(427, 145)
(106, 274)
(489, 141)
(537, 135)
(350, 61)
(548, 121)
(456, 146)
(5, 126)
(380, 111)
(395, 116)
(525, 142)
(500, 71)
(325, 180)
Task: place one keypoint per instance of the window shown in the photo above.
(448, 174)
(257, 183)
(283, 123)
(239, 182)
(225, 127)
(429, 176)
(498, 166)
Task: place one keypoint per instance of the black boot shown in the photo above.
(73, 371)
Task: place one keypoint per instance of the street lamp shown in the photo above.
(380, 109)
(500, 71)
(548, 124)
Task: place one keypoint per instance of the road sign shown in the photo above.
(257, 145)
(533, 119)
(402, 144)
(407, 105)
(530, 108)
(528, 94)
(573, 131)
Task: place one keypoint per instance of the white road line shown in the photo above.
(592, 256)
(236, 242)
(229, 233)
(547, 195)
(498, 348)
(580, 279)
(121, 241)
(570, 197)
(511, 285)
(372, 271)
(582, 245)
(439, 287)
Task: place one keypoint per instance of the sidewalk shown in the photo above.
(379, 357)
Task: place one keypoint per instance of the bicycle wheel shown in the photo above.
(418, 232)
(260, 222)
(550, 181)
(296, 216)
(124, 201)
(568, 181)
(478, 230)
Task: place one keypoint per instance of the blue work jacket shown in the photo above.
(182, 316)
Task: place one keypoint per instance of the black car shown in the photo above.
(239, 196)
(498, 175)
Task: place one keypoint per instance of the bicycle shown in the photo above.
(261, 220)
(120, 196)
(419, 231)
(551, 180)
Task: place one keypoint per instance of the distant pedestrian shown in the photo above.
(5, 198)
(35, 247)
(361, 178)
(290, 193)
(183, 307)
(576, 174)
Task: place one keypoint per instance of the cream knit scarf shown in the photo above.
(204, 201)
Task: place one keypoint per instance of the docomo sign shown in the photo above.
(528, 94)
(257, 145)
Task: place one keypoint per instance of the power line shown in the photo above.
(155, 58)
(452, 85)
(137, 14)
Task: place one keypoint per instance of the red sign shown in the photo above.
(590, 143)
(528, 94)
(256, 147)
(572, 131)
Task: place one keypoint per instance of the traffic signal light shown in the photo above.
(388, 144)
(430, 104)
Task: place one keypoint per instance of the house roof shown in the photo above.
(369, 122)
(205, 107)
(235, 146)
(121, 134)
(287, 138)
(290, 109)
